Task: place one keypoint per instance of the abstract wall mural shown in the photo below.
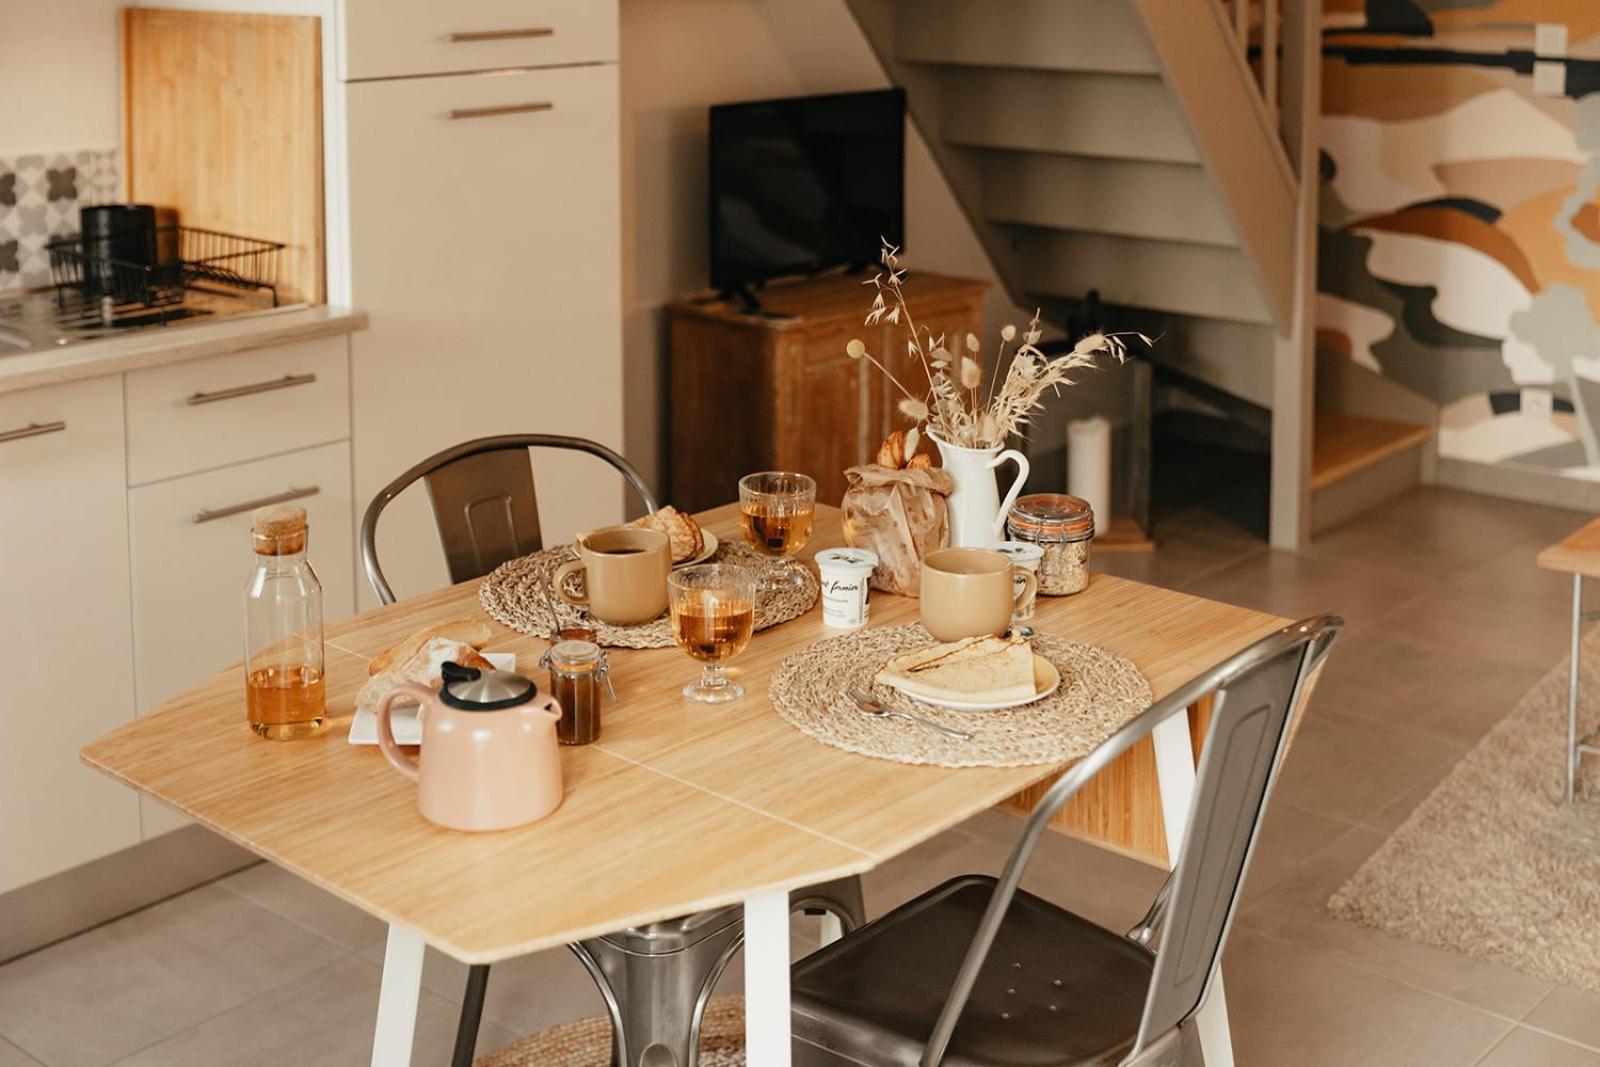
(1460, 244)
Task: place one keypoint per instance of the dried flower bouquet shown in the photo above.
(956, 405)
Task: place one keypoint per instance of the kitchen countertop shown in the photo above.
(159, 346)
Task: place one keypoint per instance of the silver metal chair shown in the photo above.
(978, 973)
(655, 979)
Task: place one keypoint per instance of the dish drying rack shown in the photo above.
(95, 285)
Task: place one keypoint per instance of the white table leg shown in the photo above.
(1175, 777)
(766, 980)
(831, 929)
(397, 998)
(1572, 687)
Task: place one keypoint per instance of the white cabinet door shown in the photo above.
(209, 413)
(189, 575)
(487, 251)
(64, 626)
(395, 38)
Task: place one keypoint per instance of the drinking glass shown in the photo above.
(776, 513)
(713, 608)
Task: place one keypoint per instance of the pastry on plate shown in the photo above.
(971, 670)
(687, 539)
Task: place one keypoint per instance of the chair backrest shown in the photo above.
(483, 502)
(1255, 696)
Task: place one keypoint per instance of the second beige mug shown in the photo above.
(624, 574)
(970, 592)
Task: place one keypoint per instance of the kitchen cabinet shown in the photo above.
(780, 388)
(64, 627)
(402, 38)
(491, 275)
(210, 413)
(189, 540)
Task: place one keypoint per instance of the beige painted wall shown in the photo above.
(678, 58)
(60, 71)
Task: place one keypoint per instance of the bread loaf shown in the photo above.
(421, 658)
(464, 630)
(892, 453)
(688, 540)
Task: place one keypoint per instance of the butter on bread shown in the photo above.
(972, 670)
(688, 541)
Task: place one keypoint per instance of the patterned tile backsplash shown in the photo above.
(39, 200)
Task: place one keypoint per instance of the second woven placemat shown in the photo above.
(1100, 691)
(517, 593)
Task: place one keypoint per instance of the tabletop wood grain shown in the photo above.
(678, 807)
(1577, 553)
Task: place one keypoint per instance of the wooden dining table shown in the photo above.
(677, 808)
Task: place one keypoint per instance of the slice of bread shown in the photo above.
(463, 630)
(687, 539)
(972, 670)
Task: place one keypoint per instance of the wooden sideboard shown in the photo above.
(775, 390)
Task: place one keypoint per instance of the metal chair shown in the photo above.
(978, 973)
(484, 503)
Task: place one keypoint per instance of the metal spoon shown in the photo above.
(865, 702)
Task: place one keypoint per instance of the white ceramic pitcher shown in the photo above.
(977, 514)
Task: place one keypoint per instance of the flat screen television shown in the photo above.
(805, 184)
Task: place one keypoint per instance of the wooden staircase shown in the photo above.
(1158, 154)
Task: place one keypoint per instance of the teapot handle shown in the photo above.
(391, 750)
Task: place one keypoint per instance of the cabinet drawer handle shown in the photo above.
(503, 109)
(33, 429)
(288, 381)
(212, 514)
(473, 36)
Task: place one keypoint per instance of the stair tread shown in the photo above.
(1345, 444)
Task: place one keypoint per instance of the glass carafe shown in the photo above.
(285, 690)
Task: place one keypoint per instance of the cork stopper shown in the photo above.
(279, 529)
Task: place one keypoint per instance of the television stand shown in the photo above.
(780, 389)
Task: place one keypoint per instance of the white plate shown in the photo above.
(1046, 680)
(404, 720)
(705, 553)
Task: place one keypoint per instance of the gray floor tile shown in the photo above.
(122, 986)
(1571, 1013)
(301, 902)
(1290, 1006)
(1296, 586)
(1516, 631)
(1290, 836)
(12, 1056)
(1177, 563)
(324, 1019)
(1350, 769)
(1527, 1048)
(1295, 912)
(1377, 676)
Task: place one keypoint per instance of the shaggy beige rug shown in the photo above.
(1492, 863)
(587, 1042)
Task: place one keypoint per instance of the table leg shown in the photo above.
(1175, 779)
(1572, 687)
(766, 980)
(397, 998)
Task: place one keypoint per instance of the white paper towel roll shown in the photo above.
(1089, 466)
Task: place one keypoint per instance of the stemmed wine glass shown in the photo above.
(776, 512)
(713, 608)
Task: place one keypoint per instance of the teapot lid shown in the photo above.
(471, 689)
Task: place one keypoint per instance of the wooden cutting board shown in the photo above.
(222, 120)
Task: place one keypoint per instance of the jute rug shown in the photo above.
(587, 1042)
(1492, 863)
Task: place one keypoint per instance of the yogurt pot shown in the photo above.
(845, 573)
(1026, 556)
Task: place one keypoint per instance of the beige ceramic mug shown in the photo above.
(970, 592)
(624, 574)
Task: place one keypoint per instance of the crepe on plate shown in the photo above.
(971, 670)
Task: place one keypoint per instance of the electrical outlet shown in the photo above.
(1538, 404)
(1550, 78)
(1550, 40)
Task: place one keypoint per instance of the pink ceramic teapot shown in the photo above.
(490, 760)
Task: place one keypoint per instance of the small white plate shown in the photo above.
(705, 553)
(1046, 680)
(404, 720)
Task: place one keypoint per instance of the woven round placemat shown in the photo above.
(587, 1042)
(518, 594)
(1099, 692)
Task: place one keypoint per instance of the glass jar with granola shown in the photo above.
(1064, 527)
